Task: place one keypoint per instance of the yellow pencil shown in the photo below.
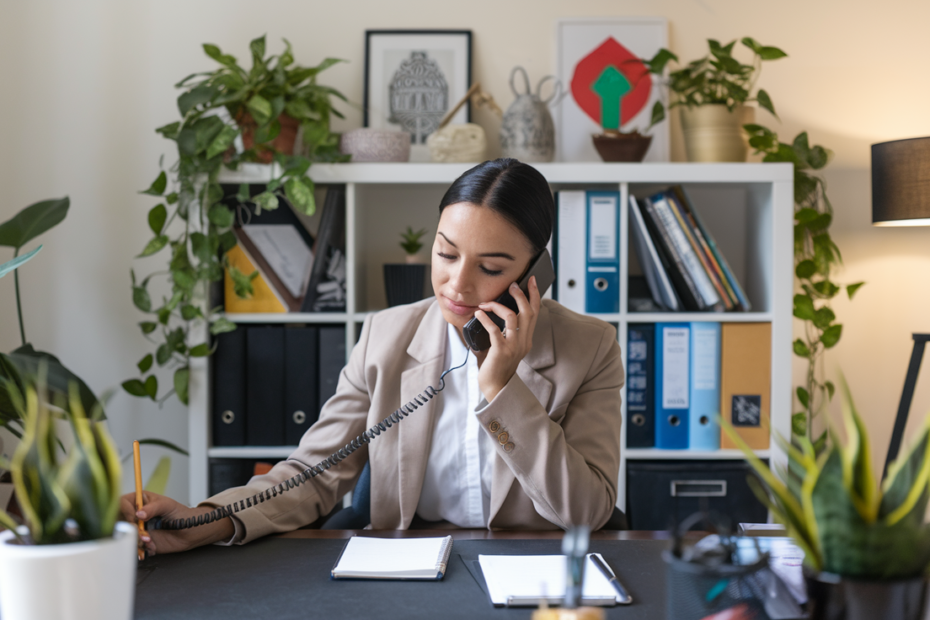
(137, 461)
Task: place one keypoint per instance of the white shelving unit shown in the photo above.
(748, 207)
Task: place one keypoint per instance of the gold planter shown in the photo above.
(713, 133)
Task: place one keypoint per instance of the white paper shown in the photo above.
(529, 576)
(390, 557)
(675, 353)
(285, 251)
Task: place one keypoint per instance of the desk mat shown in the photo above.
(284, 578)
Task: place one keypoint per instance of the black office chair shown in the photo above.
(358, 515)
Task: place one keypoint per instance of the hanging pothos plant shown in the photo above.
(816, 258)
(191, 219)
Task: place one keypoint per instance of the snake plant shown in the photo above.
(63, 498)
(838, 513)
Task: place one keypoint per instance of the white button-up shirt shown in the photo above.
(457, 485)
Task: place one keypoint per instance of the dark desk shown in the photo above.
(287, 576)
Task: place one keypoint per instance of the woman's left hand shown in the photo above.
(511, 345)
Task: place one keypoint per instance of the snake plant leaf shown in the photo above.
(19, 261)
(158, 481)
(857, 461)
(27, 361)
(906, 488)
(43, 502)
(33, 221)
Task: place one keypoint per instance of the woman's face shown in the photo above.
(477, 254)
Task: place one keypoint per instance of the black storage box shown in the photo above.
(659, 494)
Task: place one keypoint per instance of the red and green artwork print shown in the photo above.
(611, 85)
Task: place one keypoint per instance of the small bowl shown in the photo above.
(615, 146)
(366, 145)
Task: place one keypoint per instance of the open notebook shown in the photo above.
(393, 558)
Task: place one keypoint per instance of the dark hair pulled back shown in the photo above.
(512, 189)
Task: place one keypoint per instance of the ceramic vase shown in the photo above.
(715, 134)
(527, 131)
(90, 580)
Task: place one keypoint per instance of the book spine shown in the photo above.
(686, 227)
(684, 285)
(721, 259)
(691, 263)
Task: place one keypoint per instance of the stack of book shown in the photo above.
(681, 262)
(681, 376)
(296, 273)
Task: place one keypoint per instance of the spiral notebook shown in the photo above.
(393, 558)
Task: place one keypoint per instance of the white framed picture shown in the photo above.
(413, 78)
(590, 48)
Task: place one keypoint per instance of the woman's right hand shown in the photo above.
(171, 541)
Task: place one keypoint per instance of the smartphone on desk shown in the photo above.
(476, 336)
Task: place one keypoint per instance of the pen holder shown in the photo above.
(706, 579)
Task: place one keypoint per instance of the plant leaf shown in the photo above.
(147, 327)
(221, 326)
(223, 140)
(266, 200)
(154, 246)
(145, 363)
(181, 383)
(850, 289)
(9, 266)
(135, 387)
(141, 299)
(800, 348)
(157, 217)
(300, 195)
(151, 386)
(158, 186)
(831, 336)
(260, 109)
(28, 362)
(164, 444)
(766, 102)
(33, 221)
(804, 307)
(158, 479)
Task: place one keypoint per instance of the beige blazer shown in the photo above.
(556, 425)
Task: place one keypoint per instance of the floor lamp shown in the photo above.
(901, 197)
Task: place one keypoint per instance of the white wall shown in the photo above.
(84, 85)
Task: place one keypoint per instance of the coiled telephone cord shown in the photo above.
(336, 457)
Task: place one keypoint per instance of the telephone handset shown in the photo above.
(476, 336)
(422, 398)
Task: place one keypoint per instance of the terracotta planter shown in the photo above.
(90, 580)
(713, 133)
(283, 142)
(831, 597)
(616, 147)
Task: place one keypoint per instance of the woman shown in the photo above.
(526, 435)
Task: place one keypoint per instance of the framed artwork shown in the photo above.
(590, 49)
(413, 78)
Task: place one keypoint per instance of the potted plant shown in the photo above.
(816, 260)
(712, 93)
(866, 546)
(403, 283)
(217, 106)
(71, 541)
(614, 144)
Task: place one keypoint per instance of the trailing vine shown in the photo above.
(192, 220)
(816, 258)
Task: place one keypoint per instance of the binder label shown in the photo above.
(747, 410)
(705, 359)
(602, 243)
(675, 352)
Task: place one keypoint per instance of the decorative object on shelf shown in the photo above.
(210, 106)
(366, 144)
(411, 79)
(816, 259)
(866, 545)
(461, 143)
(600, 62)
(712, 93)
(403, 283)
(527, 131)
(70, 504)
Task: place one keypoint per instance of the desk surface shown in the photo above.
(287, 577)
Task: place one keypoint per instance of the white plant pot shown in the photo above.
(91, 580)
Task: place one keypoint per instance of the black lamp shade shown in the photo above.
(901, 183)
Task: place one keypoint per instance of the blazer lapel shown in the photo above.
(542, 355)
(415, 433)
